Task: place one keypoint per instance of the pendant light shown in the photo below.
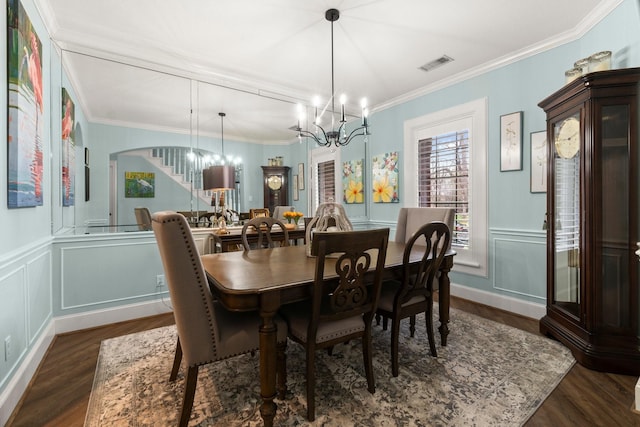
(219, 177)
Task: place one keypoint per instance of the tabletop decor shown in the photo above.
(329, 217)
(292, 218)
(488, 374)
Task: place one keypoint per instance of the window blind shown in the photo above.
(443, 179)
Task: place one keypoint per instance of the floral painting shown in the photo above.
(385, 178)
(352, 181)
(139, 184)
(68, 150)
(25, 110)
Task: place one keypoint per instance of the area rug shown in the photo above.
(489, 374)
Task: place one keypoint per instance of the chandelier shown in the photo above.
(337, 137)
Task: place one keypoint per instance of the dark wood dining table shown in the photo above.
(233, 237)
(264, 280)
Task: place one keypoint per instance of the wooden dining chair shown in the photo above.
(206, 331)
(413, 293)
(143, 219)
(263, 227)
(342, 309)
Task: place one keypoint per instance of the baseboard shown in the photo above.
(91, 319)
(19, 382)
(513, 305)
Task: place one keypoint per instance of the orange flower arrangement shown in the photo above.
(293, 216)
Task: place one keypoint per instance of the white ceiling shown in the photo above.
(277, 53)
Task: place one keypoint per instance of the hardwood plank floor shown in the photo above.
(59, 393)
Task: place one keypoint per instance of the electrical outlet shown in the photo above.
(7, 348)
(160, 282)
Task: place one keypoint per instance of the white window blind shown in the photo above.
(443, 179)
(326, 182)
(567, 201)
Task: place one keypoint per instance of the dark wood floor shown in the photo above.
(59, 393)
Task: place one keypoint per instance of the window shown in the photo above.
(445, 165)
(326, 182)
(324, 185)
(443, 179)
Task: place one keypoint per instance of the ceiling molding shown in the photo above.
(574, 34)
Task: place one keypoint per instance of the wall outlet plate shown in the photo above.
(160, 281)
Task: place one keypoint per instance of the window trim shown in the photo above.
(473, 115)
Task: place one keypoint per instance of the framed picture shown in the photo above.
(385, 176)
(300, 176)
(511, 142)
(139, 184)
(26, 124)
(68, 150)
(296, 194)
(352, 181)
(539, 162)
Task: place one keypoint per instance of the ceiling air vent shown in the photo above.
(436, 63)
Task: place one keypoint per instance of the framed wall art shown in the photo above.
(68, 150)
(25, 110)
(352, 181)
(511, 142)
(539, 162)
(300, 176)
(139, 184)
(385, 178)
(296, 193)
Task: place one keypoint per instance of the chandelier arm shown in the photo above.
(353, 134)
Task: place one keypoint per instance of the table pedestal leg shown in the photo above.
(444, 297)
(268, 338)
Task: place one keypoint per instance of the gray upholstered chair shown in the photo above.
(411, 219)
(206, 331)
(413, 293)
(345, 310)
(143, 218)
(262, 226)
(278, 211)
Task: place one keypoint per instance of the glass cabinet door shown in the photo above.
(614, 161)
(566, 226)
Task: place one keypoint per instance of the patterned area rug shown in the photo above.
(488, 374)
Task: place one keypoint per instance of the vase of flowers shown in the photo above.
(292, 218)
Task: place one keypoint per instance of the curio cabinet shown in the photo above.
(592, 218)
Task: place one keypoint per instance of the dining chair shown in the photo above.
(278, 211)
(413, 293)
(342, 309)
(411, 219)
(207, 332)
(263, 227)
(143, 218)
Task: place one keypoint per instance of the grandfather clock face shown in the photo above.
(275, 187)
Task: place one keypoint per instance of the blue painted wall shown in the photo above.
(31, 285)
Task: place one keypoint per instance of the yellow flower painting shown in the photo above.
(385, 178)
(352, 181)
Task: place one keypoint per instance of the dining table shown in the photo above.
(264, 280)
(231, 238)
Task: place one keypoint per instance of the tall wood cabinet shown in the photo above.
(592, 217)
(276, 186)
